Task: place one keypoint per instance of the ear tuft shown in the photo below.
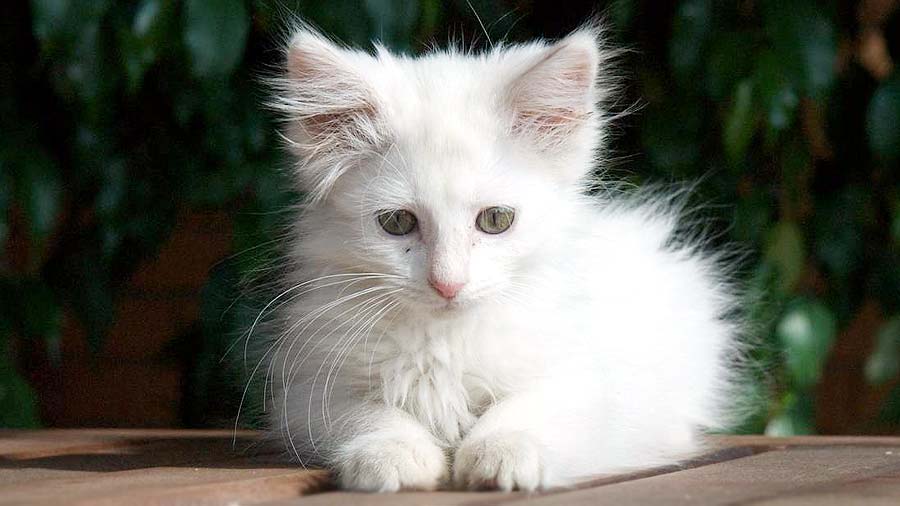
(332, 99)
(330, 109)
(556, 95)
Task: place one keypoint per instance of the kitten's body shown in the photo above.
(586, 339)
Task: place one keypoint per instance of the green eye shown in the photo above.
(397, 222)
(495, 220)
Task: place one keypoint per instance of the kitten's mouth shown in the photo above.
(449, 306)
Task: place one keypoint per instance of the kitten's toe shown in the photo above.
(504, 461)
(391, 464)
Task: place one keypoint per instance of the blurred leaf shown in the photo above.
(88, 291)
(40, 311)
(74, 46)
(740, 122)
(217, 302)
(18, 408)
(777, 96)
(796, 418)
(431, 15)
(785, 250)
(765, 302)
(804, 40)
(343, 20)
(690, 32)
(141, 42)
(727, 63)
(62, 19)
(883, 119)
(890, 411)
(670, 132)
(751, 216)
(895, 223)
(39, 192)
(48, 16)
(113, 189)
(806, 331)
(393, 20)
(621, 13)
(840, 226)
(883, 364)
(215, 35)
(5, 203)
(884, 278)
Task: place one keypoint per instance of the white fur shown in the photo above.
(588, 339)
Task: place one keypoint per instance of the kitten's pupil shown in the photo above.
(495, 220)
(397, 222)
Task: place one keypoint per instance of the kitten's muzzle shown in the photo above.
(447, 290)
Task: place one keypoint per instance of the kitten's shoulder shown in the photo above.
(646, 218)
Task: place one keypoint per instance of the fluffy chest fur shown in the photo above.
(447, 371)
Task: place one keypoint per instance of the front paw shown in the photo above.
(376, 464)
(505, 461)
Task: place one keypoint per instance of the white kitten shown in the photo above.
(462, 312)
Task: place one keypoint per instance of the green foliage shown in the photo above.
(806, 332)
(215, 33)
(120, 115)
(883, 118)
(803, 150)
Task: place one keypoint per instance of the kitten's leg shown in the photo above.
(559, 433)
(385, 450)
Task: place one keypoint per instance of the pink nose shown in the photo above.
(447, 290)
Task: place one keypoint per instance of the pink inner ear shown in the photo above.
(336, 100)
(555, 96)
(335, 123)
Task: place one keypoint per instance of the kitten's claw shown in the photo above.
(388, 465)
(507, 461)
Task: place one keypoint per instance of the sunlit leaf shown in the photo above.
(806, 332)
(141, 41)
(740, 122)
(797, 417)
(215, 35)
(883, 364)
(785, 250)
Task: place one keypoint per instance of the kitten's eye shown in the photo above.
(397, 222)
(495, 220)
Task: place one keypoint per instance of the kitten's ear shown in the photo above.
(556, 95)
(330, 108)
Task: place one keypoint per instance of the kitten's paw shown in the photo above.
(375, 464)
(505, 461)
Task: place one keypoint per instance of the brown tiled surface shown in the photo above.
(167, 467)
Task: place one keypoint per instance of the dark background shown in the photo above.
(141, 187)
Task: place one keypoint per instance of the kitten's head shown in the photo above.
(451, 171)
